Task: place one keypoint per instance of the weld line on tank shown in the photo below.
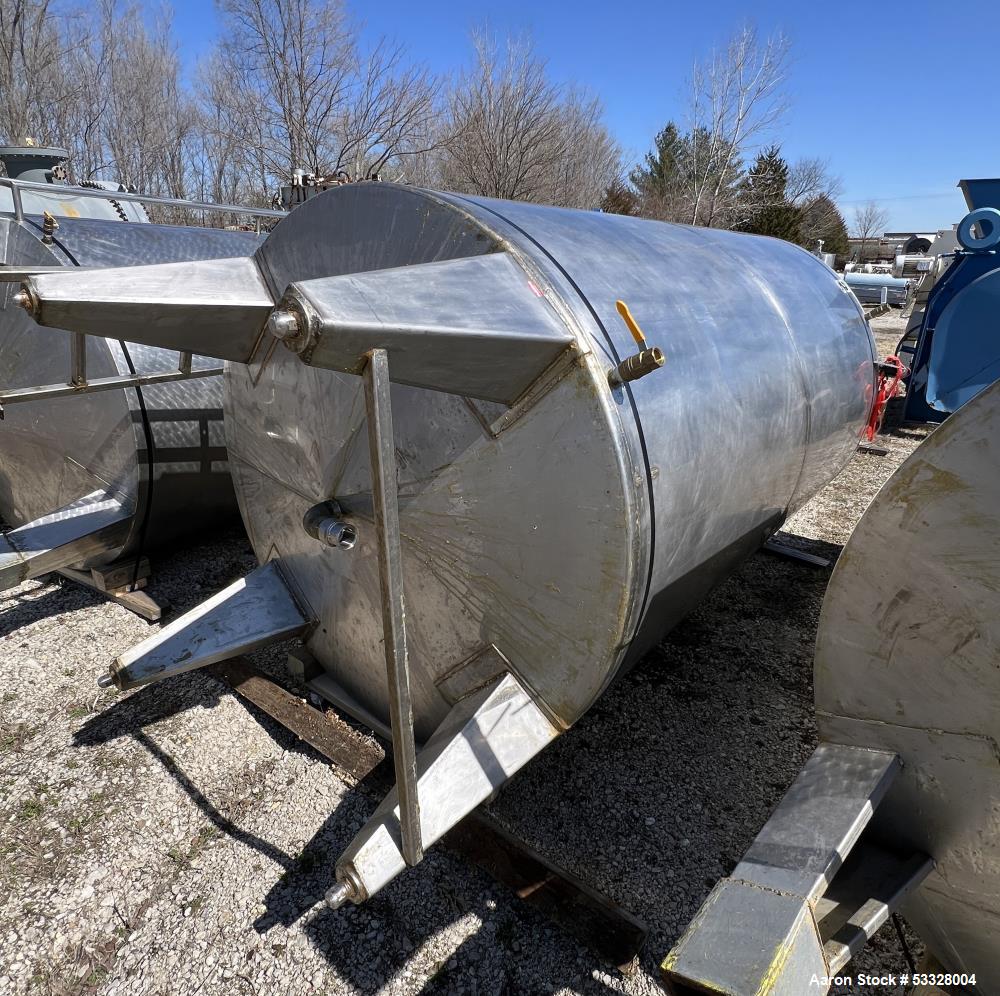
(626, 386)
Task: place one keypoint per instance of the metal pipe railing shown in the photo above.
(17, 186)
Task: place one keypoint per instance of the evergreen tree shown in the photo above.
(657, 177)
(764, 199)
(822, 220)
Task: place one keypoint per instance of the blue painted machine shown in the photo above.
(954, 350)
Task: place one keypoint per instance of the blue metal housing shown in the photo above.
(957, 351)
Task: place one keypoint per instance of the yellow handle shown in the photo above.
(633, 325)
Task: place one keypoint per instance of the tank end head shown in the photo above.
(105, 681)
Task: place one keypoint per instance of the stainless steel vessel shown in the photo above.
(899, 808)
(555, 516)
(80, 453)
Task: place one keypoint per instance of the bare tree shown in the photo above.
(811, 178)
(292, 63)
(230, 155)
(737, 99)
(814, 190)
(516, 134)
(591, 159)
(290, 81)
(869, 222)
(391, 115)
(31, 51)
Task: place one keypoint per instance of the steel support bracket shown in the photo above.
(382, 449)
(807, 896)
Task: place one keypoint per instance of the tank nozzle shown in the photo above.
(49, 227)
(323, 522)
(637, 365)
(648, 359)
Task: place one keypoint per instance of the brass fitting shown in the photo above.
(637, 365)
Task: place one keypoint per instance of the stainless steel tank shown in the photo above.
(899, 807)
(89, 449)
(871, 288)
(554, 517)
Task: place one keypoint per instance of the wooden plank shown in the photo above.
(354, 755)
(780, 549)
(872, 450)
(611, 932)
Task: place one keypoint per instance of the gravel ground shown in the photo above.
(174, 841)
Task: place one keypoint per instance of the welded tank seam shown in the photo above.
(644, 602)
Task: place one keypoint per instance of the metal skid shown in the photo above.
(808, 894)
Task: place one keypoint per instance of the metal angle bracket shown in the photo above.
(84, 527)
(254, 612)
(805, 898)
(474, 327)
(385, 499)
(78, 383)
(483, 741)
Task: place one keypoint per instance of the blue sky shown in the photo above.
(896, 96)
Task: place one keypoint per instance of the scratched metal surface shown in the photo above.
(53, 452)
(593, 523)
(906, 659)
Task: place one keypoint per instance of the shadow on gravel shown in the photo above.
(155, 703)
(651, 798)
(20, 610)
(223, 824)
(152, 704)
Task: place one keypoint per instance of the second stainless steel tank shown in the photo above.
(91, 449)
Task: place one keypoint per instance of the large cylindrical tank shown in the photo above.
(56, 451)
(547, 536)
(573, 536)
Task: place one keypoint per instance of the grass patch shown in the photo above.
(13, 738)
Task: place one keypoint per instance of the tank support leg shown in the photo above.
(382, 448)
(807, 896)
(485, 738)
(67, 536)
(254, 612)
